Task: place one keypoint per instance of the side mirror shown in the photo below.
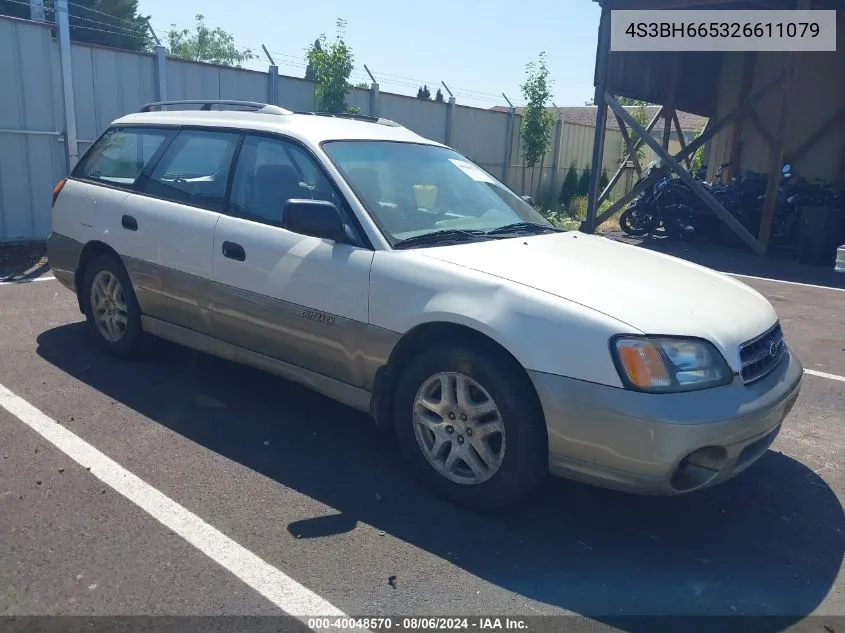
(317, 218)
(528, 200)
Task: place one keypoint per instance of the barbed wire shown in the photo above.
(285, 59)
(113, 29)
(401, 80)
(134, 32)
(18, 2)
(108, 32)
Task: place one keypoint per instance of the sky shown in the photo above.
(478, 47)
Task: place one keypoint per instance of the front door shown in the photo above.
(299, 299)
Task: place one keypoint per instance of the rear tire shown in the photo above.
(506, 450)
(679, 218)
(112, 314)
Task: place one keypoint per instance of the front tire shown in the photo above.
(637, 222)
(113, 317)
(471, 427)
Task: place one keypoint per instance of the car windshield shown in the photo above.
(413, 190)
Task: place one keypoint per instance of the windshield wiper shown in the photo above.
(519, 228)
(437, 237)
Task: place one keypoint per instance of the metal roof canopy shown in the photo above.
(647, 75)
(687, 81)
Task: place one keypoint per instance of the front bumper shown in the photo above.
(663, 444)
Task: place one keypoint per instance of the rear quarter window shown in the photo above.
(120, 155)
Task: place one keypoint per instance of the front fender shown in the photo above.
(543, 332)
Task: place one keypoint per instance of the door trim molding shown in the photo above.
(342, 392)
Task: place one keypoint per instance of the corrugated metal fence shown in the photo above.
(31, 155)
(109, 83)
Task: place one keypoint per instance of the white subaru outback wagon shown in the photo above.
(391, 273)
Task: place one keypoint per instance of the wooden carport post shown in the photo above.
(602, 54)
(691, 182)
(749, 61)
(669, 104)
(775, 174)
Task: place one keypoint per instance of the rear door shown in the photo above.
(167, 226)
(90, 207)
(300, 299)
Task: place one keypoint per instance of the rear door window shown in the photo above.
(121, 154)
(194, 169)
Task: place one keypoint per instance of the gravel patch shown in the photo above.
(22, 260)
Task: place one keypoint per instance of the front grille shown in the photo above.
(761, 355)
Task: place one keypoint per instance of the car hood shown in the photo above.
(651, 292)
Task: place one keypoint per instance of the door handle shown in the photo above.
(234, 251)
(129, 223)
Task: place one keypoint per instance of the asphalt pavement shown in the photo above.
(308, 488)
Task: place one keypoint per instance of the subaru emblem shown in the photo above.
(773, 349)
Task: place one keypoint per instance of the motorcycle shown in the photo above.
(639, 217)
(668, 204)
(746, 198)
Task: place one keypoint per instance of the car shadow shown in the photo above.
(739, 261)
(767, 543)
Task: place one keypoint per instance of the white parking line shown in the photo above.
(278, 588)
(27, 281)
(822, 374)
(791, 283)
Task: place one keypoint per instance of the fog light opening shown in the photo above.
(699, 468)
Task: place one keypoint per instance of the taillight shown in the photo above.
(57, 189)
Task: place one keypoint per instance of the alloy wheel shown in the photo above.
(459, 428)
(108, 306)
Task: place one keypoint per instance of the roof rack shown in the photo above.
(206, 104)
(357, 117)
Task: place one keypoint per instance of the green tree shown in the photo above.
(698, 156)
(439, 96)
(584, 182)
(332, 63)
(114, 23)
(424, 93)
(362, 85)
(15, 9)
(569, 188)
(310, 71)
(204, 44)
(537, 120)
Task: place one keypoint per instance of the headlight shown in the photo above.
(669, 365)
